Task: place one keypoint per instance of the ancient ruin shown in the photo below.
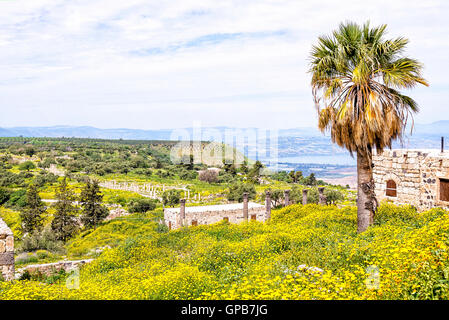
(6, 252)
(233, 213)
(150, 190)
(416, 177)
(49, 269)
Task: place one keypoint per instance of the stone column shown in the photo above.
(287, 197)
(6, 252)
(268, 205)
(304, 196)
(182, 211)
(322, 197)
(245, 206)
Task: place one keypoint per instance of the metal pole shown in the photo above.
(442, 144)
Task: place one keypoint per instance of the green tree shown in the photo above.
(27, 165)
(276, 197)
(313, 196)
(296, 176)
(5, 194)
(356, 78)
(32, 214)
(93, 212)
(244, 167)
(310, 180)
(254, 173)
(333, 196)
(141, 205)
(187, 174)
(18, 199)
(171, 197)
(65, 223)
(29, 150)
(187, 161)
(236, 191)
(229, 167)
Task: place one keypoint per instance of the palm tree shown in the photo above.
(356, 78)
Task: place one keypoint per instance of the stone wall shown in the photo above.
(6, 252)
(201, 215)
(417, 175)
(48, 269)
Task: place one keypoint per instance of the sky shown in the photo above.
(154, 64)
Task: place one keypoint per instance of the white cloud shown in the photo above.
(157, 64)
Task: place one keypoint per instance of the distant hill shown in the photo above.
(85, 132)
(294, 142)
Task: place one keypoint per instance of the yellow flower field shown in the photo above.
(304, 252)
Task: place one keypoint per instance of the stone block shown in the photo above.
(10, 243)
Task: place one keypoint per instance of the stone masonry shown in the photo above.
(6, 252)
(48, 269)
(416, 177)
(200, 215)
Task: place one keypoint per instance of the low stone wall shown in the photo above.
(6, 252)
(116, 212)
(48, 269)
(211, 214)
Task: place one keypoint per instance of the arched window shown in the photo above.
(391, 188)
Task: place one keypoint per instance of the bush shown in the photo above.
(208, 176)
(236, 191)
(225, 177)
(45, 178)
(18, 199)
(4, 195)
(143, 172)
(333, 196)
(171, 197)
(313, 196)
(10, 179)
(45, 240)
(141, 205)
(188, 174)
(27, 165)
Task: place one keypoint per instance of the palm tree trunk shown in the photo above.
(366, 199)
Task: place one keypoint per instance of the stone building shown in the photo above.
(199, 215)
(6, 252)
(416, 177)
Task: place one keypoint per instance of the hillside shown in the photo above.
(295, 142)
(304, 252)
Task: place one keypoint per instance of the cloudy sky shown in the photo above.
(153, 64)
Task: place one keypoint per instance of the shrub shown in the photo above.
(235, 192)
(208, 176)
(10, 179)
(141, 205)
(225, 177)
(171, 197)
(18, 199)
(5, 194)
(333, 196)
(188, 174)
(45, 178)
(45, 240)
(27, 165)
